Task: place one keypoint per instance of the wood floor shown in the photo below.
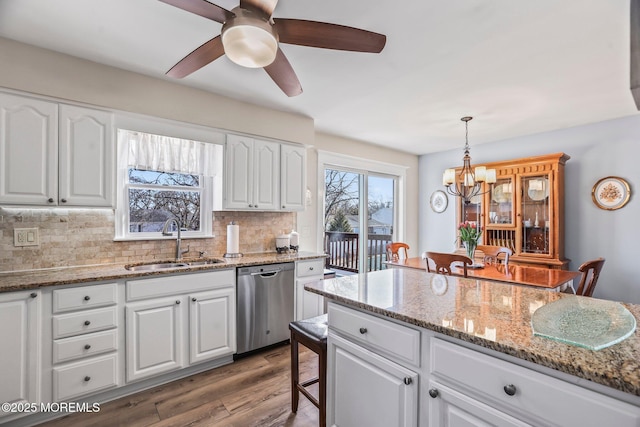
(253, 391)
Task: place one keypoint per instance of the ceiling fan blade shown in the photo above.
(282, 74)
(265, 7)
(328, 36)
(197, 59)
(202, 8)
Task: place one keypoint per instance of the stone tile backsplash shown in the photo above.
(72, 237)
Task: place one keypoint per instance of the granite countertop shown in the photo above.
(31, 279)
(490, 314)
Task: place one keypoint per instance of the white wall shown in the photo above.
(597, 150)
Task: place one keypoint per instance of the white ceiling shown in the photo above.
(519, 67)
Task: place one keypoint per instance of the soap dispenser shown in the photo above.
(294, 238)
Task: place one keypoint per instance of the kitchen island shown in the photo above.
(453, 337)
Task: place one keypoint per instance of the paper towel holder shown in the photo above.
(231, 254)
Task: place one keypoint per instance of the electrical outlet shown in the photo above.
(26, 237)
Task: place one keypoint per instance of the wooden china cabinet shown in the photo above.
(523, 210)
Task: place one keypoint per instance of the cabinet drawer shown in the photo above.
(84, 297)
(314, 267)
(80, 378)
(179, 284)
(538, 398)
(382, 335)
(66, 325)
(84, 345)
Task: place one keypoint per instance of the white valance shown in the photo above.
(167, 154)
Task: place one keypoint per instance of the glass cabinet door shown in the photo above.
(536, 214)
(501, 202)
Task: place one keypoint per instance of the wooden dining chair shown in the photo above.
(590, 273)
(443, 262)
(394, 249)
(491, 254)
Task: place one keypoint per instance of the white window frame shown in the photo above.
(211, 186)
(330, 160)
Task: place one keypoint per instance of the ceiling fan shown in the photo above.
(250, 37)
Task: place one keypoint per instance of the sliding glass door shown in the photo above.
(359, 218)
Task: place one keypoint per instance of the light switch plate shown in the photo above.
(26, 237)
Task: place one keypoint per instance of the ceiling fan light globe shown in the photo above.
(249, 46)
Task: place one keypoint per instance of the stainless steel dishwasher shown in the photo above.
(264, 305)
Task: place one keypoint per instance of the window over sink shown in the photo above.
(161, 178)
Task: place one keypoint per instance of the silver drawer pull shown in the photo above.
(433, 392)
(363, 331)
(510, 389)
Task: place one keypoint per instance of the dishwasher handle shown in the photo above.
(273, 273)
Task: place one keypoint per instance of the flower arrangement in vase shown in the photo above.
(469, 235)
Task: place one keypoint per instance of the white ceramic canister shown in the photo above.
(294, 240)
(282, 243)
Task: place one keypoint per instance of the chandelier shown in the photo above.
(468, 183)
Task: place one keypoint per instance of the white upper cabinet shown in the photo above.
(54, 154)
(292, 177)
(85, 157)
(263, 175)
(29, 146)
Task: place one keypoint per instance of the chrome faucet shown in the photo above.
(165, 232)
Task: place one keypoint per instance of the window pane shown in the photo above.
(150, 209)
(137, 176)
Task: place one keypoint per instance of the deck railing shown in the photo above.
(343, 249)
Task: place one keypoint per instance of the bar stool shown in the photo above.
(312, 333)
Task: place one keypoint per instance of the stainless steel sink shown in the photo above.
(165, 265)
(156, 266)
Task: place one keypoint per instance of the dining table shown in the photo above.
(555, 280)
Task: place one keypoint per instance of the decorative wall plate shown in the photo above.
(611, 193)
(540, 194)
(439, 201)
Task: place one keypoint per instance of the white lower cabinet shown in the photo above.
(175, 321)
(85, 328)
(449, 408)
(516, 393)
(366, 386)
(154, 337)
(20, 334)
(307, 303)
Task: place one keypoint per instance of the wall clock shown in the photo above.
(439, 201)
(611, 193)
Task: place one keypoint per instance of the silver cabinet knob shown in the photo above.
(63, 200)
(407, 380)
(50, 200)
(178, 301)
(87, 378)
(194, 299)
(363, 331)
(510, 389)
(87, 323)
(87, 297)
(33, 295)
(433, 392)
(87, 346)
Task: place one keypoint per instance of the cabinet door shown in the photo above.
(212, 324)
(19, 352)
(308, 304)
(292, 177)
(537, 212)
(28, 147)
(85, 157)
(154, 337)
(238, 172)
(365, 389)
(266, 164)
(452, 409)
